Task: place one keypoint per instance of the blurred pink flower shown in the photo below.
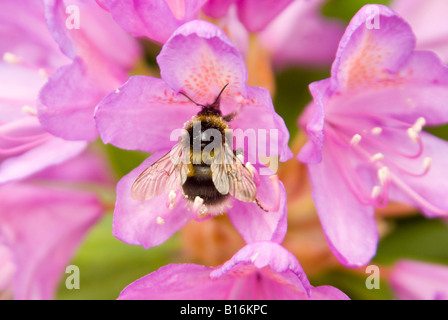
(29, 54)
(43, 220)
(414, 280)
(301, 35)
(255, 15)
(67, 101)
(198, 60)
(158, 19)
(366, 143)
(428, 21)
(259, 271)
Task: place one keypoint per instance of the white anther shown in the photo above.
(355, 139)
(427, 163)
(117, 91)
(160, 220)
(30, 111)
(413, 134)
(419, 124)
(172, 198)
(384, 175)
(376, 157)
(377, 130)
(376, 191)
(10, 58)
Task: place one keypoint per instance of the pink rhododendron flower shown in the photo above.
(259, 271)
(428, 21)
(414, 280)
(255, 15)
(301, 35)
(366, 144)
(197, 61)
(68, 100)
(158, 19)
(29, 54)
(43, 220)
(155, 19)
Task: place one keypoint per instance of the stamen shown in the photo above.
(384, 175)
(160, 221)
(427, 162)
(413, 134)
(376, 157)
(117, 91)
(377, 130)
(172, 199)
(355, 140)
(376, 192)
(254, 256)
(419, 124)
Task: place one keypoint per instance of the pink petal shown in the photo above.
(263, 254)
(51, 152)
(42, 227)
(255, 224)
(427, 192)
(156, 19)
(427, 19)
(97, 37)
(176, 282)
(209, 61)
(300, 34)
(349, 226)
(414, 280)
(257, 115)
(142, 114)
(266, 11)
(67, 102)
(146, 223)
(368, 54)
(312, 120)
(217, 8)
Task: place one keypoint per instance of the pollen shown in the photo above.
(30, 111)
(377, 130)
(10, 58)
(160, 221)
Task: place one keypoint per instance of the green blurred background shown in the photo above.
(107, 265)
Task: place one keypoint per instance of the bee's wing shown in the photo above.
(230, 176)
(168, 173)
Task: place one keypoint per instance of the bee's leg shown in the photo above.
(230, 116)
(275, 182)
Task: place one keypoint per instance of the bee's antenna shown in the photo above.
(219, 95)
(200, 105)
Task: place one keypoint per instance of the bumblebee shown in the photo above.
(207, 179)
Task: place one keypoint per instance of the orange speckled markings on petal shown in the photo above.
(204, 81)
(365, 66)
